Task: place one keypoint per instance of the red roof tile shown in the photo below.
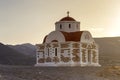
(67, 19)
(72, 36)
(69, 36)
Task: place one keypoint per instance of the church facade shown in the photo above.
(67, 46)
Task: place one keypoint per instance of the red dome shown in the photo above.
(67, 19)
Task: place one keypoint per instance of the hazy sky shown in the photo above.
(28, 21)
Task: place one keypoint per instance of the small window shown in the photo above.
(60, 26)
(69, 25)
(38, 56)
(55, 51)
(77, 26)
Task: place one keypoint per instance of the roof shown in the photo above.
(67, 19)
(72, 36)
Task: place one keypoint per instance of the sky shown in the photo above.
(29, 21)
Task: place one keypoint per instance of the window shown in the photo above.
(60, 26)
(69, 25)
(77, 26)
(55, 51)
(38, 55)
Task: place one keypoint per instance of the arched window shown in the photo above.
(60, 26)
(69, 25)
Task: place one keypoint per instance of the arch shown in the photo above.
(54, 41)
(86, 37)
(55, 36)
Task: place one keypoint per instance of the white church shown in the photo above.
(67, 46)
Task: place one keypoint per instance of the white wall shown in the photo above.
(55, 35)
(86, 37)
(75, 26)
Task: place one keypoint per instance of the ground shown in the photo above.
(59, 73)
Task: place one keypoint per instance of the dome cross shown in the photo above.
(68, 13)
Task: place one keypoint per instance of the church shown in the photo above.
(67, 45)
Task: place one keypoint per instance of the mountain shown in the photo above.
(10, 56)
(27, 49)
(109, 50)
(24, 54)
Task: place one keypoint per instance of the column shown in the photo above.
(86, 52)
(80, 54)
(71, 55)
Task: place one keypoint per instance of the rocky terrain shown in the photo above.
(59, 73)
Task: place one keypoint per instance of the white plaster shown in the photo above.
(75, 26)
(55, 35)
(84, 38)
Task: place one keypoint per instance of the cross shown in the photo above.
(68, 13)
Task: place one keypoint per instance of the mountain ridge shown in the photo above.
(109, 51)
(26, 48)
(9, 56)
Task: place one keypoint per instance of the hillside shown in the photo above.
(10, 56)
(27, 49)
(109, 50)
